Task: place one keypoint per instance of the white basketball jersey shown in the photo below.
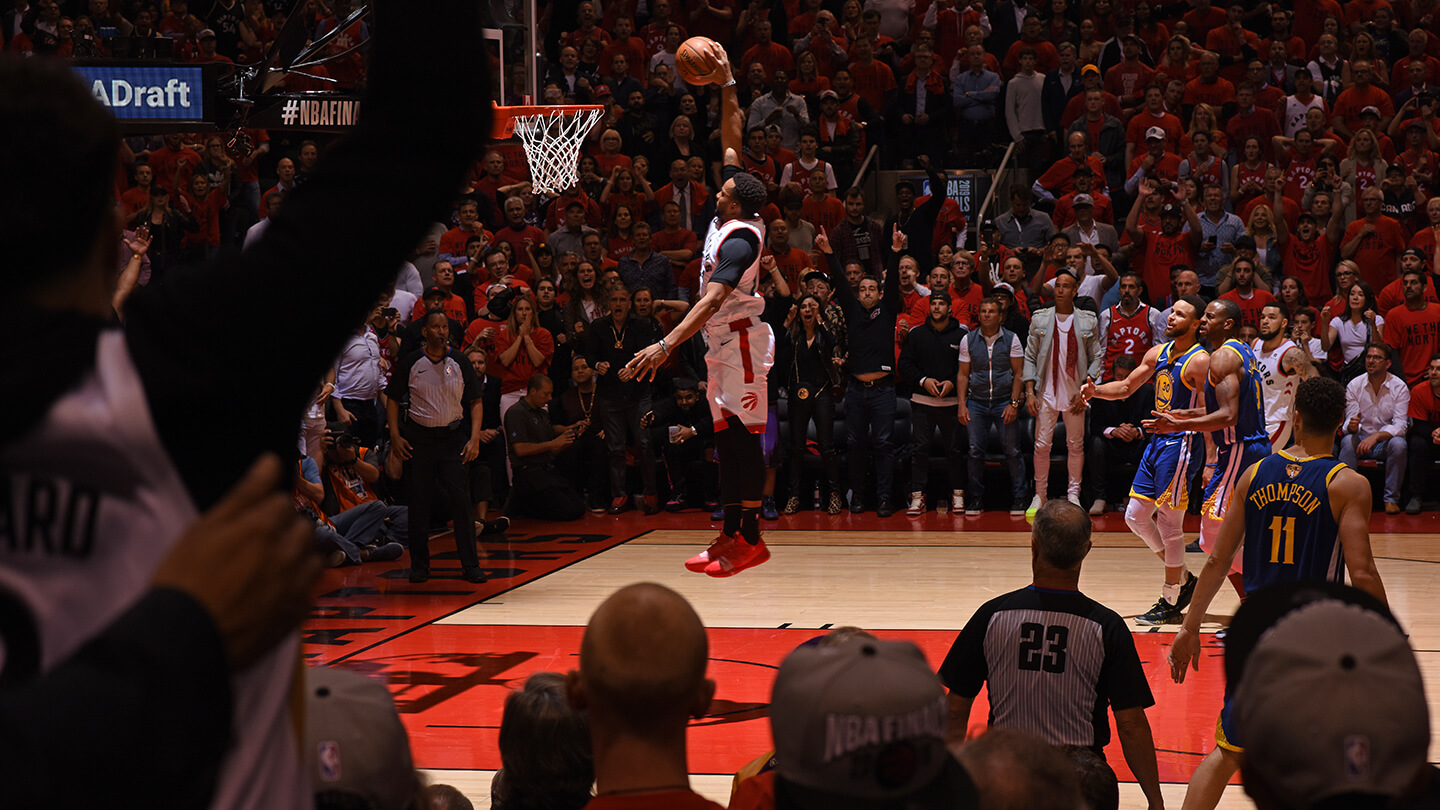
(744, 301)
(94, 503)
(1278, 391)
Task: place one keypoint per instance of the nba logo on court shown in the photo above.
(328, 756)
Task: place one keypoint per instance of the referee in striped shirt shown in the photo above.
(1054, 658)
(439, 385)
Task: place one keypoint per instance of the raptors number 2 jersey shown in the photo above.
(94, 503)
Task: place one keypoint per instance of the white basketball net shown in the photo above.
(552, 145)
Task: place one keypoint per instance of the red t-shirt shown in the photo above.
(452, 242)
(1378, 250)
(1216, 94)
(1059, 179)
(1257, 123)
(454, 308)
(1310, 263)
(173, 167)
(1424, 404)
(794, 263)
(1350, 102)
(1394, 294)
(873, 81)
(773, 56)
(516, 238)
(965, 307)
(1143, 120)
(1415, 335)
(516, 376)
(1166, 168)
(1130, 80)
(824, 215)
(1250, 307)
(1161, 253)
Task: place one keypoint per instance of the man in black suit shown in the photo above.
(1116, 439)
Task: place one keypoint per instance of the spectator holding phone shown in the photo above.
(540, 491)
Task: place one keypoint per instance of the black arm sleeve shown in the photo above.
(145, 706)
(892, 298)
(322, 261)
(735, 255)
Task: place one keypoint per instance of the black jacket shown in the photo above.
(931, 353)
(871, 332)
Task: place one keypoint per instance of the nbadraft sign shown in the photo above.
(149, 93)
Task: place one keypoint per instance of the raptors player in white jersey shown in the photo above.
(1283, 365)
(122, 437)
(741, 347)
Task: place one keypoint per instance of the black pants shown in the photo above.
(924, 420)
(1422, 454)
(682, 461)
(541, 492)
(620, 419)
(584, 466)
(367, 420)
(821, 408)
(437, 469)
(1105, 457)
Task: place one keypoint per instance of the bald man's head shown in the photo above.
(642, 662)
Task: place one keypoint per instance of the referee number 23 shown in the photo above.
(1042, 647)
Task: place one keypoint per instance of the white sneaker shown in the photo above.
(1099, 507)
(1073, 497)
(917, 504)
(957, 500)
(1035, 504)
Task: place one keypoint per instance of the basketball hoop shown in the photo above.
(551, 136)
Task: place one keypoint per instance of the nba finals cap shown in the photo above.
(1082, 199)
(1154, 134)
(829, 94)
(354, 741)
(1090, 69)
(862, 724)
(205, 33)
(1330, 699)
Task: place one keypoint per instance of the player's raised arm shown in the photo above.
(732, 118)
(1185, 650)
(1120, 389)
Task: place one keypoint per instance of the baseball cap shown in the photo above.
(1331, 702)
(815, 275)
(1416, 252)
(1090, 69)
(434, 292)
(354, 740)
(1154, 133)
(1372, 110)
(1004, 287)
(940, 295)
(1171, 210)
(603, 90)
(205, 33)
(1415, 123)
(830, 94)
(862, 724)
(1082, 199)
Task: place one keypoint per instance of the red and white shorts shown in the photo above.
(738, 362)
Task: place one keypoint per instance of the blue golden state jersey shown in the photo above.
(1250, 425)
(1172, 391)
(1290, 530)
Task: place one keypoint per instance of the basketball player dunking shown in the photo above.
(741, 347)
(1304, 516)
(1161, 493)
(1233, 413)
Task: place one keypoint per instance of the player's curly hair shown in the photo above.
(751, 193)
(1320, 403)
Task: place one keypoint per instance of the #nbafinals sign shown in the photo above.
(172, 93)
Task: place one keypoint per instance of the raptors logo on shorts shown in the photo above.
(741, 346)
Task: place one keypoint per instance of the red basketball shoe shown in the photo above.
(704, 558)
(734, 556)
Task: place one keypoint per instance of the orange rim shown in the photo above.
(504, 117)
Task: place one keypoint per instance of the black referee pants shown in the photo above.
(437, 469)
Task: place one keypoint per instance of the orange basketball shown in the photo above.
(694, 62)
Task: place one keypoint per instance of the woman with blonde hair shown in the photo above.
(1363, 167)
(1179, 62)
(1261, 227)
(1202, 119)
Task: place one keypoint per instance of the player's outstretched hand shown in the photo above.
(1184, 653)
(250, 561)
(1164, 422)
(646, 361)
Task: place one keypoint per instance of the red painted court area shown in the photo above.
(451, 701)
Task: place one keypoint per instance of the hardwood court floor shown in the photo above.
(451, 650)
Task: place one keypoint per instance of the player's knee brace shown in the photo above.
(1172, 534)
(1138, 517)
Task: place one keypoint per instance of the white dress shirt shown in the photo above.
(1388, 411)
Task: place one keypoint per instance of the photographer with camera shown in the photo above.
(349, 496)
(540, 491)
